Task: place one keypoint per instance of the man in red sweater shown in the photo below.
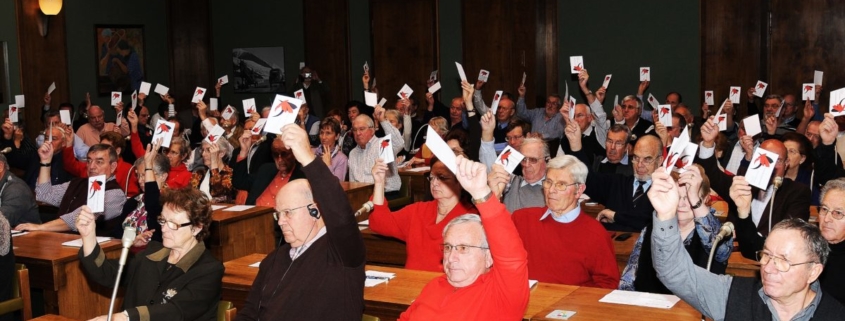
(565, 245)
(486, 266)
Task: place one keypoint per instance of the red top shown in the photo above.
(575, 253)
(178, 177)
(500, 294)
(79, 168)
(415, 225)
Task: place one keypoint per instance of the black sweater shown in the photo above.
(832, 279)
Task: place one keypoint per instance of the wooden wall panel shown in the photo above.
(546, 53)
(405, 47)
(191, 53)
(501, 37)
(43, 60)
(327, 48)
(732, 46)
(807, 36)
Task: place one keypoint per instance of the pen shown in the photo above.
(371, 277)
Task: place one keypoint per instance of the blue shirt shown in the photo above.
(645, 186)
(567, 217)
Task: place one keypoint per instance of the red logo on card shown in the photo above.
(838, 108)
(211, 138)
(664, 111)
(115, 95)
(163, 128)
(763, 160)
(761, 86)
(199, 92)
(808, 88)
(579, 67)
(734, 91)
(709, 95)
(505, 158)
(645, 71)
(95, 187)
(284, 107)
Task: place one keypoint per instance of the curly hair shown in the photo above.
(195, 205)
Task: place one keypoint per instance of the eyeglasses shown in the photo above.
(170, 224)
(533, 160)
(645, 161)
(441, 178)
(510, 138)
(781, 264)
(837, 214)
(279, 154)
(287, 212)
(460, 248)
(617, 144)
(560, 186)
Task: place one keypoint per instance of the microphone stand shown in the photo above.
(128, 238)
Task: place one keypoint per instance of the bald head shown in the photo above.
(96, 118)
(777, 147)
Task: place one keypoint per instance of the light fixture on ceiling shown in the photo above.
(48, 8)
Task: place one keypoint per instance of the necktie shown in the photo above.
(640, 190)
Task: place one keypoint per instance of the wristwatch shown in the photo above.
(483, 199)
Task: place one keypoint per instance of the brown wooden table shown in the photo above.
(238, 233)
(55, 269)
(53, 317)
(585, 302)
(383, 250)
(358, 194)
(419, 185)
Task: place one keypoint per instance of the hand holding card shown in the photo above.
(509, 158)
(97, 193)
(385, 146)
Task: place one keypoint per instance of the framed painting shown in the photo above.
(120, 58)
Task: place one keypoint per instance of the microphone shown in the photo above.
(261, 140)
(6, 150)
(366, 208)
(126, 241)
(778, 181)
(726, 230)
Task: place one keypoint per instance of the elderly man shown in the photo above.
(791, 199)
(791, 261)
(363, 157)
(17, 203)
(545, 121)
(90, 132)
(319, 273)
(486, 265)
(526, 190)
(58, 175)
(812, 132)
(70, 196)
(592, 136)
(772, 124)
(625, 207)
(550, 231)
(628, 113)
(125, 177)
(504, 115)
(615, 157)
(832, 226)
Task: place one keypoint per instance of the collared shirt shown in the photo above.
(525, 183)
(551, 127)
(567, 217)
(361, 160)
(624, 160)
(645, 186)
(759, 203)
(306, 245)
(805, 313)
(53, 195)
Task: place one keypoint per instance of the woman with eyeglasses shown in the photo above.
(215, 176)
(421, 224)
(698, 228)
(176, 279)
(271, 177)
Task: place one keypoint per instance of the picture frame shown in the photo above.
(119, 57)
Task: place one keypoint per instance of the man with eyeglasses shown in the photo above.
(628, 113)
(549, 232)
(592, 136)
(614, 159)
(504, 116)
(485, 263)
(363, 157)
(526, 190)
(791, 261)
(90, 132)
(319, 273)
(546, 121)
(832, 226)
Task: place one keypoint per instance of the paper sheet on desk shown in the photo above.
(19, 233)
(217, 207)
(78, 242)
(650, 300)
(419, 169)
(238, 208)
(374, 278)
(256, 264)
(364, 222)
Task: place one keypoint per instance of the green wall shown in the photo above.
(236, 24)
(81, 18)
(619, 36)
(9, 34)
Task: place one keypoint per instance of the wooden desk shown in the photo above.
(383, 250)
(585, 302)
(419, 185)
(53, 317)
(358, 194)
(235, 234)
(55, 269)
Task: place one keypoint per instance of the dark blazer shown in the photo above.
(242, 178)
(17, 202)
(157, 290)
(616, 192)
(792, 200)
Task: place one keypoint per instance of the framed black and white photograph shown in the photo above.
(259, 70)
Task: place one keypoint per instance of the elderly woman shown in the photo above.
(177, 279)
(421, 224)
(270, 178)
(799, 161)
(329, 150)
(179, 176)
(698, 228)
(142, 210)
(216, 170)
(424, 155)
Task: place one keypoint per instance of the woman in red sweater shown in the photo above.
(421, 224)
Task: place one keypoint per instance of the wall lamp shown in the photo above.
(48, 8)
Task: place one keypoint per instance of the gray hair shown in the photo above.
(773, 96)
(571, 164)
(4, 162)
(636, 99)
(184, 149)
(367, 119)
(816, 244)
(440, 125)
(161, 165)
(468, 218)
(536, 140)
(835, 184)
(620, 128)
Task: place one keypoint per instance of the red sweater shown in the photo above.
(576, 253)
(500, 294)
(78, 168)
(415, 225)
(178, 177)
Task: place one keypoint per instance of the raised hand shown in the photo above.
(573, 134)
(498, 179)
(479, 84)
(663, 194)
(45, 153)
(747, 144)
(642, 87)
(85, 222)
(488, 125)
(473, 177)
(296, 139)
(521, 90)
(583, 77)
(327, 156)
(246, 143)
(709, 132)
(809, 111)
(828, 130)
(214, 153)
(601, 93)
(379, 172)
(152, 151)
(771, 124)
(740, 193)
(133, 119)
